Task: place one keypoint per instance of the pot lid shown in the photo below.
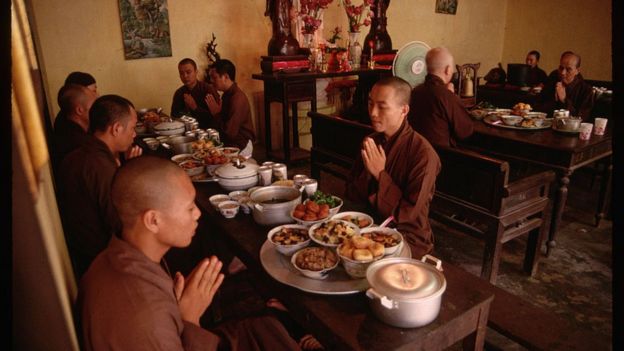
(405, 278)
(169, 125)
(237, 169)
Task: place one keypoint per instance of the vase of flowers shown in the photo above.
(358, 15)
(310, 12)
(355, 49)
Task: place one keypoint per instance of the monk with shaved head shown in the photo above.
(436, 111)
(128, 301)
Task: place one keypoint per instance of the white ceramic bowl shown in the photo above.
(314, 274)
(354, 268)
(237, 194)
(511, 120)
(289, 249)
(332, 239)
(153, 145)
(353, 217)
(215, 200)
(229, 208)
(181, 158)
(535, 115)
(398, 237)
(230, 151)
(192, 167)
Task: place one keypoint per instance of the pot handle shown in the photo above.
(438, 262)
(385, 302)
(259, 207)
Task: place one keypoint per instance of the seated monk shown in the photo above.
(537, 77)
(233, 113)
(127, 301)
(567, 89)
(189, 98)
(436, 112)
(397, 168)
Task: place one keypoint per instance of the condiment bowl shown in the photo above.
(229, 208)
(360, 219)
(215, 200)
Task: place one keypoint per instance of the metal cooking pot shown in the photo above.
(569, 124)
(236, 175)
(273, 204)
(405, 292)
(181, 144)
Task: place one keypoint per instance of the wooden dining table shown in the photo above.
(345, 322)
(562, 152)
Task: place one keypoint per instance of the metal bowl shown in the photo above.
(568, 124)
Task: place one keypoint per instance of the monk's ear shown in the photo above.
(151, 220)
(116, 128)
(405, 110)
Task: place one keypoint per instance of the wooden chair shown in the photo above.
(474, 194)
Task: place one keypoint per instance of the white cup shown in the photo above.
(229, 209)
(600, 124)
(310, 186)
(265, 175)
(299, 179)
(585, 131)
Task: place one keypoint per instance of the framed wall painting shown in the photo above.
(145, 28)
(448, 7)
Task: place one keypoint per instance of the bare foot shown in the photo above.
(236, 266)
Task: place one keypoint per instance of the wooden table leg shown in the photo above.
(604, 196)
(476, 340)
(295, 125)
(267, 126)
(559, 201)
(286, 131)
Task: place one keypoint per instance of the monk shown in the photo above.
(537, 76)
(396, 171)
(233, 113)
(189, 98)
(127, 301)
(567, 89)
(436, 112)
(85, 177)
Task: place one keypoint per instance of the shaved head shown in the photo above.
(145, 183)
(438, 59)
(73, 95)
(401, 88)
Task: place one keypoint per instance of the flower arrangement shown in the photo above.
(356, 12)
(310, 13)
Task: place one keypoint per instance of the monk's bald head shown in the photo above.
(145, 183)
(438, 59)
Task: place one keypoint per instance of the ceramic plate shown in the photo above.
(495, 121)
(337, 283)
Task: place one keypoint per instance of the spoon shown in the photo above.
(386, 222)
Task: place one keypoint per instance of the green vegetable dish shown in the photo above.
(321, 198)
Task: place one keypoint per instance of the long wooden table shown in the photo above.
(564, 153)
(346, 322)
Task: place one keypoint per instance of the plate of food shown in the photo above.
(333, 232)
(517, 122)
(337, 281)
(362, 220)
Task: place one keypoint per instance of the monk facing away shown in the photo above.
(127, 301)
(397, 168)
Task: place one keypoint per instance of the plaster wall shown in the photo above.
(555, 26)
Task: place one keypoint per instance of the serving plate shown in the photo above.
(337, 283)
(497, 122)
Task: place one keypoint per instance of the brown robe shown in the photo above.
(405, 187)
(438, 114)
(68, 136)
(202, 113)
(235, 123)
(127, 302)
(84, 185)
(579, 98)
(536, 76)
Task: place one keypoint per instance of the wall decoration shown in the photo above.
(145, 28)
(446, 6)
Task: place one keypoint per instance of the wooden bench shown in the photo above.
(474, 194)
(336, 143)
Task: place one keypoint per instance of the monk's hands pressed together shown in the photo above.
(196, 293)
(213, 105)
(374, 157)
(133, 151)
(189, 101)
(560, 92)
